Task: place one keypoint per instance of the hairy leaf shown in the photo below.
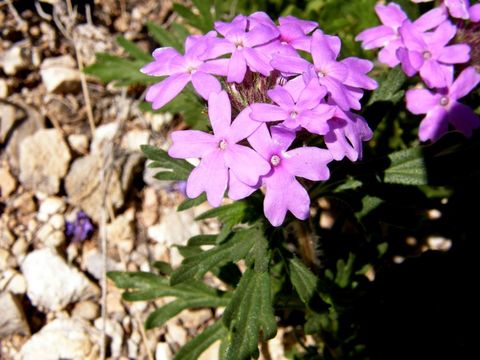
(200, 343)
(178, 169)
(407, 167)
(233, 250)
(249, 313)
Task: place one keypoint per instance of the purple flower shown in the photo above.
(457, 8)
(387, 37)
(220, 154)
(182, 69)
(429, 54)
(283, 192)
(442, 108)
(243, 36)
(346, 133)
(329, 73)
(304, 110)
(79, 230)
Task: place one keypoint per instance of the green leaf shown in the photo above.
(166, 312)
(344, 271)
(123, 71)
(200, 343)
(389, 89)
(308, 286)
(199, 240)
(249, 312)
(407, 167)
(204, 7)
(163, 267)
(230, 215)
(134, 50)
(189, 203)
(179, 169)
(163, 37)
(234, 249)
(192, 19)
(369, 203)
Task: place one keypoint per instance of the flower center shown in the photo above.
(238, 43)
(191, 69)
(444, 101)
(427, 55)
(293, 114)
(275, 160)
(222, 145)
(321, 73)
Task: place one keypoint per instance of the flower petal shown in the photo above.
(290, 64)
(322, 54)
(211, 176)
(434, 125)
(237, 67)
(267, 112)
(161, 93)
(465, 82)
(281, 96)
(205, 84)
(260, 34)
(463, 119)
(311, 96)
(421, 101)
(245, 163)
(455, 54)
(308, 162)
(242, 127)
(238, 190)
(191, 144)
(391, 14)
(257, 61)
(219, 112)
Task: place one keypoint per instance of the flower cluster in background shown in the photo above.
(441, 47)
(275, 97)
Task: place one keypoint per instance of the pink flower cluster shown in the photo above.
(424, 46)
(275, 96)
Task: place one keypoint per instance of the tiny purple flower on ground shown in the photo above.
(79, 230)
(442, 108)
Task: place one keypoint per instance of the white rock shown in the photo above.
(87, 310)
(85, 188)
(63, 339)
(14, 59)
(175, 228)
(8, 118)
(13, 319)
(121, 232)
(4, 90)
(6, 259)
(58, 222)
(93, 262)
(44, 159)
(213, 351)
(78, 143)
(134, 138)
(50, 237)
(51, 283)
(13, 281)
(115, 331)
(176, 333)
(8, 184)
(60, 74)
(163, 351)
(20, 247)
(103, 135)
(158, 121)
(6, 237)
(49, 206)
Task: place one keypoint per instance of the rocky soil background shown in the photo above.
(76, 197)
